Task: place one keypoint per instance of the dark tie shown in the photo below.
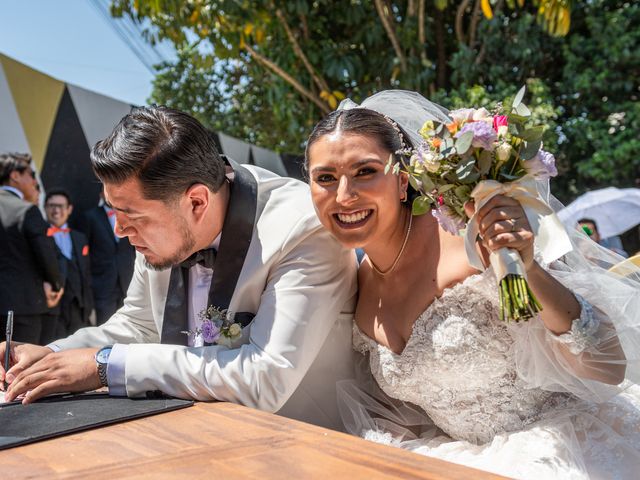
(176, 312)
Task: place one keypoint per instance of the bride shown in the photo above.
(547, 398)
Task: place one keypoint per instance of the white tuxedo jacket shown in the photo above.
(301, 285)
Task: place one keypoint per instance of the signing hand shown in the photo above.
(503, 224)
(65, 371)
(22, 355)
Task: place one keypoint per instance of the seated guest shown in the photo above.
(614, 244)
(77, 302)
(112, 258)
(29, 275)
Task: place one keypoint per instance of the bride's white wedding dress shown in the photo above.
(498, 397)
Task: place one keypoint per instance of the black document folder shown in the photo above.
(61, 414)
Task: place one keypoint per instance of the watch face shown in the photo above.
(103, 355)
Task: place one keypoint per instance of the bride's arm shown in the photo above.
(503, 224)
(560, 311)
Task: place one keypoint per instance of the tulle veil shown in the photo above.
(615, 298)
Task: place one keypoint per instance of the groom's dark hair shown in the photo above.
(168, 151)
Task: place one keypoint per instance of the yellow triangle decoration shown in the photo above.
(36, 97)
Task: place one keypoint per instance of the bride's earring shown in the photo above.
(404, 197)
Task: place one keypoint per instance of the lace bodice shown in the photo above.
(459, 366)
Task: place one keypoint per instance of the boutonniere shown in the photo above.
(217, 326)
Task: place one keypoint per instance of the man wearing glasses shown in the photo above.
(73, 249)
(30, 281)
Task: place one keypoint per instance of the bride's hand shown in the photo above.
(502, 223)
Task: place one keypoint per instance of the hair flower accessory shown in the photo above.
(217, 326)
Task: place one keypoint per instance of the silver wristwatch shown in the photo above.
(102, 360)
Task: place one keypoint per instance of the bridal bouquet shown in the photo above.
(478, 155)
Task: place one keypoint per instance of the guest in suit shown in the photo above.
(73, 254)
(30, 282)
(112, 258)
(232, 254)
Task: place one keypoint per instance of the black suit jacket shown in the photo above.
(77, 286)
(27, 257)
(111, 261)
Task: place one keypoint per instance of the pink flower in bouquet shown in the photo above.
(543, 165)
(210, 331)
(500, 121)
(483, 134)
(448, 220)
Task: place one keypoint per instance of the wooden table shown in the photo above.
(220, 440)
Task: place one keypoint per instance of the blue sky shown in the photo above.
(71, 41)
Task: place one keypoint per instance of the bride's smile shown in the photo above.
(354, 198)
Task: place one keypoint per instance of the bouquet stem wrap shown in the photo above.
(551, 239)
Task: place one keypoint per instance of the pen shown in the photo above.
(7, 348)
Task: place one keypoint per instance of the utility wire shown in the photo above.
(130, 33)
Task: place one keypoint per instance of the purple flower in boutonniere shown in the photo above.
(217, 326)
(210, 331)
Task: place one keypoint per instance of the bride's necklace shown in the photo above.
(395, 262)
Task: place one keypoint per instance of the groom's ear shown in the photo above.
(199, 197)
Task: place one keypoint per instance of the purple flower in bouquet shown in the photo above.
(543, 165)
(448, 220)
(483, 134)
(210, 331)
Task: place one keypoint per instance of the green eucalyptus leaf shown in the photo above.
(463, 142)
(463, 192)
(427, 183)
(519, 96)
(523, 110)
(530, 149)
(414, 183)
(485, 161)
(445, 188)
(421, 205)
(532, 134)
(465, 168)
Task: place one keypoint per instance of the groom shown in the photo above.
(208, 234)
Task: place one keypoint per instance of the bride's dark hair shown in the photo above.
(362, 121)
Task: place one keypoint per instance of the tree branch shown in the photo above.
(459, 17)
(422, 37)
(383, 13)
(320, 82)
(289, 79)
(473, 27)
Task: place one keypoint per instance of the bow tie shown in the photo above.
(206, 258)
(53, 230)
(111, 213)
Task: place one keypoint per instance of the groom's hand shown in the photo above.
(65, 371)
(22, 355)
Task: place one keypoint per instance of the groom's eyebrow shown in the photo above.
(123, 210)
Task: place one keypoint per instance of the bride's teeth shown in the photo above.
(352, 217)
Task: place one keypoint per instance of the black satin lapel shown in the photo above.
(237, 231)
(176, 308)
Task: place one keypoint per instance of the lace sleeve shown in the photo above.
(582, 334)
(602, 347)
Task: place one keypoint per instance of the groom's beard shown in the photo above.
(182, 252)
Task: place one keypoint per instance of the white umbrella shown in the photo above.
(615, 210)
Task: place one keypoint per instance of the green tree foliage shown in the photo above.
(267, 70)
